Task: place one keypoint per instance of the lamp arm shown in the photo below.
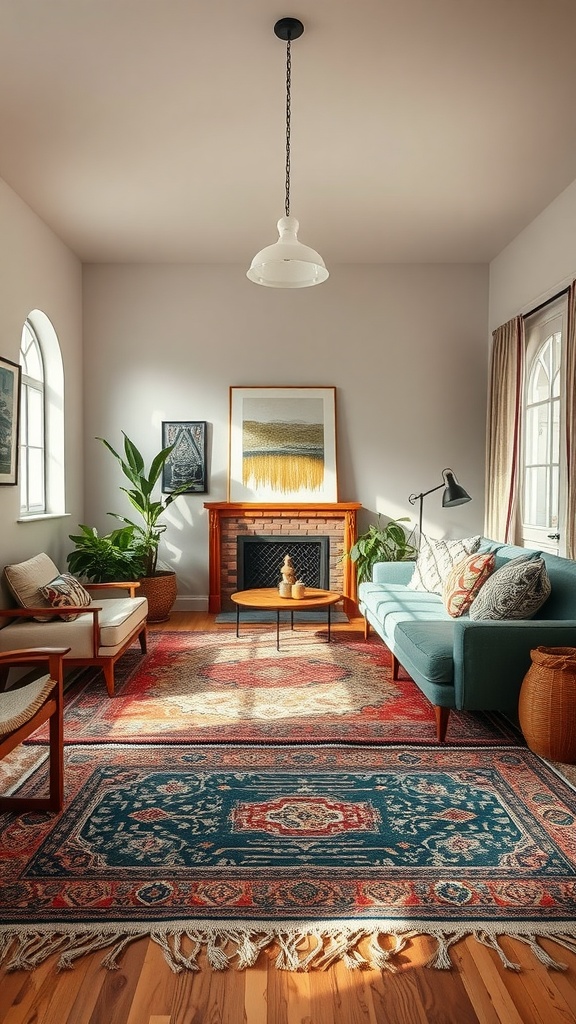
(413, 498)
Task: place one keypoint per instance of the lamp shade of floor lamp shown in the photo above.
(453, 495)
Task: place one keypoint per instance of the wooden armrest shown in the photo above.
(29, 613)
(33, 654)
(130, 585)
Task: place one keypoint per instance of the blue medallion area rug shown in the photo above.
(320, 853)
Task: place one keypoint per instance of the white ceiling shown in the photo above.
(153, 130)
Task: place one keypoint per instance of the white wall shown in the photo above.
(38, 272)
(538, 263)
(404, 346)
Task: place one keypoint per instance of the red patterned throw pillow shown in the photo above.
(465, 580)
(66, 590)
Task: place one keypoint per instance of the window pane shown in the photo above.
(537, 434)
(31, 357)
(556, 431)
(35, 478)
(556, 354)
(35, 418)
(540, 383)
(23, 478)
(24, 416)
(535, 509)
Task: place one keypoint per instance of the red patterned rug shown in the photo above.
(214, 687)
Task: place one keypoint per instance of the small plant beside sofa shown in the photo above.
(503, 600)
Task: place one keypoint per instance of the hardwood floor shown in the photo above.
(478, 990)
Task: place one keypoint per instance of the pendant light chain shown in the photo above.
(288, 113)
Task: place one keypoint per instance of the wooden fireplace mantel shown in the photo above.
(219, 510)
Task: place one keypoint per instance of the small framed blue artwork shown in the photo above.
(187, 460)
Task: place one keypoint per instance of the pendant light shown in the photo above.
(288, 263)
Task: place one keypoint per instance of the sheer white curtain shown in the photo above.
(503, 431)
(571, 425)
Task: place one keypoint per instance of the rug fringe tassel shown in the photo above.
(300, 947)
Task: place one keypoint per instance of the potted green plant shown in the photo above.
(388, 543)
(158, 585)
(106, 558)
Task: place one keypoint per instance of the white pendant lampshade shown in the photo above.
(287, 263)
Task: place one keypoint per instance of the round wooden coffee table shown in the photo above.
(268, 599)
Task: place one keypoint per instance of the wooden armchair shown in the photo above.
(25, 709)
(96, 634)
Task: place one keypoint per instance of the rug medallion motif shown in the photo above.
(214, 687)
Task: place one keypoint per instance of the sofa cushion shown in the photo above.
(427, 647)
(435, 560)
(464, 581)
(26, 578)
(516, 591)
(117, 617)
(66, 590)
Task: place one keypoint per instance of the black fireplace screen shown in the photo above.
(259, 560)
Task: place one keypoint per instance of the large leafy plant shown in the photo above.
(388, 543)
(104, 559)
(142, 480)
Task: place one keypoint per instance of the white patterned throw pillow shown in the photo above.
(515, 591)
(435, 560)
(66, 590)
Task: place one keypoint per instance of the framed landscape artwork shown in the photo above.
(282, 444)
(187, 460)
(9, 420)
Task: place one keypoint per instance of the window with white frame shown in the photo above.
(41, 419)
(32, 425)
(543, 448)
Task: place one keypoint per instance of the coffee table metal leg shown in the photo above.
(329, 609)
(277, 629)
(237, 619)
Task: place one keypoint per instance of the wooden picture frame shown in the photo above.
(9, 420)
(282, 444)
(187, 461)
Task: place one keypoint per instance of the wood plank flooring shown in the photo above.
(478, 990)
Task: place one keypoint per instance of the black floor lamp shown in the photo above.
(454, 494)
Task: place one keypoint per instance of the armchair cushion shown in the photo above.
(26, 578)
(18, 706)
(66, 590)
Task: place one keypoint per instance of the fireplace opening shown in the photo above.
(259, 560)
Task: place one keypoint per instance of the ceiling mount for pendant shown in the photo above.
(288, 263)
(288, 28)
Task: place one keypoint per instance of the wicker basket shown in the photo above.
(547, 704)
(161, 591)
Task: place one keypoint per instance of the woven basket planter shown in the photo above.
(161, 591)
(547, 703)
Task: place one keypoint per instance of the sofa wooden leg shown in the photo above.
(442, 715)
(142, 636)
(395, 667)
(366, 629)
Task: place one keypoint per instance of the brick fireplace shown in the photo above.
(228, 520)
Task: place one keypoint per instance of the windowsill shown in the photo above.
(43, 515)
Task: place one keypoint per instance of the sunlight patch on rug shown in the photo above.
(214, 687)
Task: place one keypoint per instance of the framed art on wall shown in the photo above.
(9, 420)
(282, 444)
(187, 460)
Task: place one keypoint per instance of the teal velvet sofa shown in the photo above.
(460, 662)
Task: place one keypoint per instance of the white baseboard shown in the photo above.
(191, 603)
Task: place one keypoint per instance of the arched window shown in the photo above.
(544, 458)
(41, 420)
(32, 427)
